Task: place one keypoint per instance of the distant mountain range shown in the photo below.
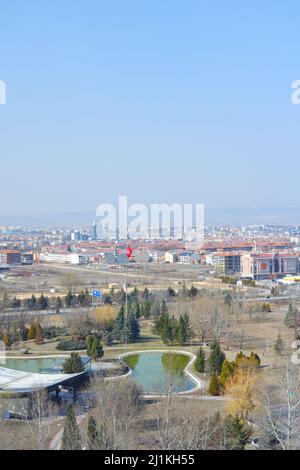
(213, 216)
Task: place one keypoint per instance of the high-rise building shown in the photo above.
(94, 231)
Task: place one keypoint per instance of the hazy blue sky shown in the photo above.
(165, 101)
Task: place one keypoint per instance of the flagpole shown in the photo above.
(128, 254)
(126, 301)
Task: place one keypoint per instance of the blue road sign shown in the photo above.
(96, 293)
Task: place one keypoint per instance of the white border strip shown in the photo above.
(29, 357)
(199, 384)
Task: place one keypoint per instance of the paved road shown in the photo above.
(67, 312)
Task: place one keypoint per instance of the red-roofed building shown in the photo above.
(268, 265)
(10, 257)
(227, 262)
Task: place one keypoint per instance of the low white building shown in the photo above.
(209, 258)
(170, 257)
(188, 257)
(64, 258)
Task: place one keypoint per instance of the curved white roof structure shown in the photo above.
(14, 381)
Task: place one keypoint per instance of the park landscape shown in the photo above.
(217, 362)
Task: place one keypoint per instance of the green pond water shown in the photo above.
(156, 372)
(35, 365)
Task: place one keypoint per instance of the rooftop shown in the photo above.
(15, 381)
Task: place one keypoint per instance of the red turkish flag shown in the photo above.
(129, 252)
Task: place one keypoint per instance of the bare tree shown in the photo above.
(164, 423)
(199, 433)
(228, 328)
(239, 313)
(200, 312)
(33, 432)
(280, 405)
(7, 438)
(117, 408)
(217, 324)
(42, 415)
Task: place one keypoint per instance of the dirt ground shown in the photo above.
(43, 278)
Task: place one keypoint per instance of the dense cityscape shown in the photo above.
(255, 252)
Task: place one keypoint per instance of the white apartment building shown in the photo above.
(188, 257)
(63, 258)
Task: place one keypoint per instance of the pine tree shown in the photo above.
(5, 300)
(126, 329)
(135, 293)
(134, 308)
(31, 303)
(32, 331)
(71, 439)
(181, 333)
(254, 360)
(188, 330)
(16, 303)
(96, 349)
(133, 328)
(73, 364)
(216, 358)
(119, 324)
(167, 331)
(214, 386)
(89, 343)
(42, 302)
(146, 309)
(243, 361)
(87, 298)
(81, 298)
(58, 304)
(291, 317)
(69, 299)
(236, 433)
(24, 333)
(199, 364)
(38, 334)
(279, 345)
(35, 332)
(226, 372)
(161, 322)
(6, 339)
(108, 339)
(93, 435)
(171, 292)
(266, 308)
(228, 300)
(193, 291)
(146, 293)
